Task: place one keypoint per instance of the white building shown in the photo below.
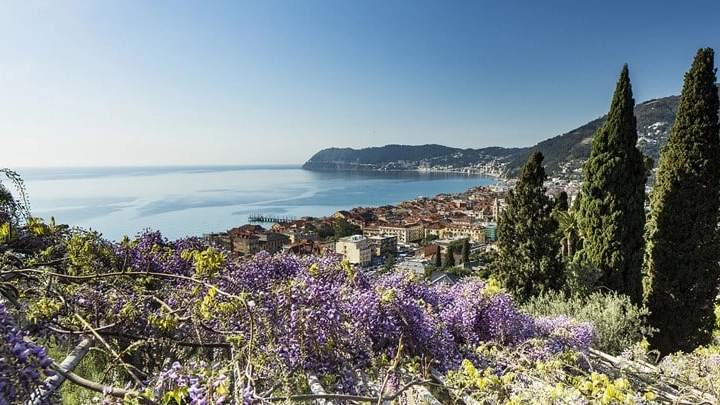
(356, 249)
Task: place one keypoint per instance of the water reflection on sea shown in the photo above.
(182, 201)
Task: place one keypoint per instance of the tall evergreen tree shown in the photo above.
(438, 257)
(466, 251)
(528, 262)
(611, 217)
(683, 245)
(563, 202)
(449, 257)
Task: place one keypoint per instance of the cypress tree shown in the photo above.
(466, 251)
(683, 246)
(563, 202)
(449, 257)
(438, 257)
(528, 262)
(611, 216)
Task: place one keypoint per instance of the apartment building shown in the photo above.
(356, 249)
(272, 242)
(380, 245)
(474, 232)
(405, 233)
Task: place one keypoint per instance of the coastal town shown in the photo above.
(408, 235)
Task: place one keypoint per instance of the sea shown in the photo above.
(185, 201)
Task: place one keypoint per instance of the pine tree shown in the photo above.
(611, 217)
(528, 262)
(683, 245)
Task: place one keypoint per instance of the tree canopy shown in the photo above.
(611, 215)
(683, 245)
(528, 262)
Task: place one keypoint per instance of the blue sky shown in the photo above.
(102, 82)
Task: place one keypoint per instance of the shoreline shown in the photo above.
(373, 169)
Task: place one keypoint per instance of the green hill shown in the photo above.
(410, 157)
(564, 154)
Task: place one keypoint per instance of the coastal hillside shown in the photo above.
(564, 154)
(413, 157)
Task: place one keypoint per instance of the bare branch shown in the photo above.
(106, 390)
(53, 383)
(107, 345)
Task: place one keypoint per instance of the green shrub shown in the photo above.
(580, 278)
(618, 323)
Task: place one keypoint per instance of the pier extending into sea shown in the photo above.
(268, 218)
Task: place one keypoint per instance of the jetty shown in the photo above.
(268, 218)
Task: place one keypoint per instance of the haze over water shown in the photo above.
(191, 201)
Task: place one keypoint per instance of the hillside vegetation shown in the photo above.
(410, 157)
(564, 154)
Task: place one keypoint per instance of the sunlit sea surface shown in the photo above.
(192, 201)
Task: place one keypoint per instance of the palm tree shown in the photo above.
(568, 228)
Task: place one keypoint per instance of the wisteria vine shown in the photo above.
(182, 321)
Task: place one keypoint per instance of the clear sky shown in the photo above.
(151, 82)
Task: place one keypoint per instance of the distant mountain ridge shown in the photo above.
(564, 154)
(410, 157)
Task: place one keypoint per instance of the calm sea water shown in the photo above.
(183, 201)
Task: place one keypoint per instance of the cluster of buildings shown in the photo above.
(379, 230)
(415, 227)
